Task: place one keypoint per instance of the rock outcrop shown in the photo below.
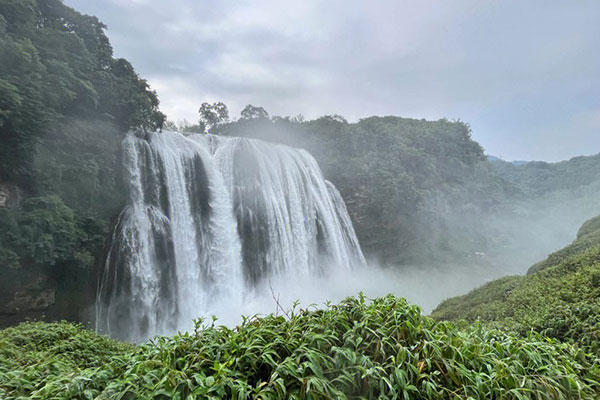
(10, 195)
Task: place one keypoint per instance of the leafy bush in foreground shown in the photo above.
(384, 349)
(38, 358)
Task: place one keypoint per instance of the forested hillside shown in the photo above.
(541, 178)
(65, 104)
(423, 192)
(560, 298)
(398, 176)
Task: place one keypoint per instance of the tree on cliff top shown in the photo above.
(212, 115)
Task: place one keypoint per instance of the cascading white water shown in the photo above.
(208, 219)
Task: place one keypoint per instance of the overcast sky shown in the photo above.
(524, 74)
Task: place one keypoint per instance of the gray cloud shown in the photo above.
(525, 75)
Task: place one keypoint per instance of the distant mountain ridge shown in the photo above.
(540, 177)
(492, 158)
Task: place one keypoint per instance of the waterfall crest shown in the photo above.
(209, 218)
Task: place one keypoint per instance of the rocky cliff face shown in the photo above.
(30, 295)
(32, 292)
(24, 292)
(10, 195)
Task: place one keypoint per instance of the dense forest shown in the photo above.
(541, 178)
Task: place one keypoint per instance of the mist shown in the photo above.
(519, 231)
(529, 236)
(423, 286)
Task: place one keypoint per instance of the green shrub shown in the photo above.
(36, 357)
(384, 349)
(43, 231)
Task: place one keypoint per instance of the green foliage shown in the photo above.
(481, 303)
(212, 115)
(37, 358)
(57, 63)
(560, 300)
(44, 233)
(253, 112)
(380, 350)
(589, 228)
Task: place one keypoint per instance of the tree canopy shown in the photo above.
(253, 112)
(58, 64)
(212, 115)
(65, 103)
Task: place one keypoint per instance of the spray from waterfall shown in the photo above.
(209, 220)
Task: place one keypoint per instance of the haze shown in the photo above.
(524, 75)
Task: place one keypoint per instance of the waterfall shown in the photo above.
(208, 219)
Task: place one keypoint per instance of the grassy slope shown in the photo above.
(559, 298)
(384, 349)
(588, 236)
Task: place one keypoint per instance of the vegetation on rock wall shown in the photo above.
(65, 104)
(380, 350)
(57, 63)
(42, 231)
